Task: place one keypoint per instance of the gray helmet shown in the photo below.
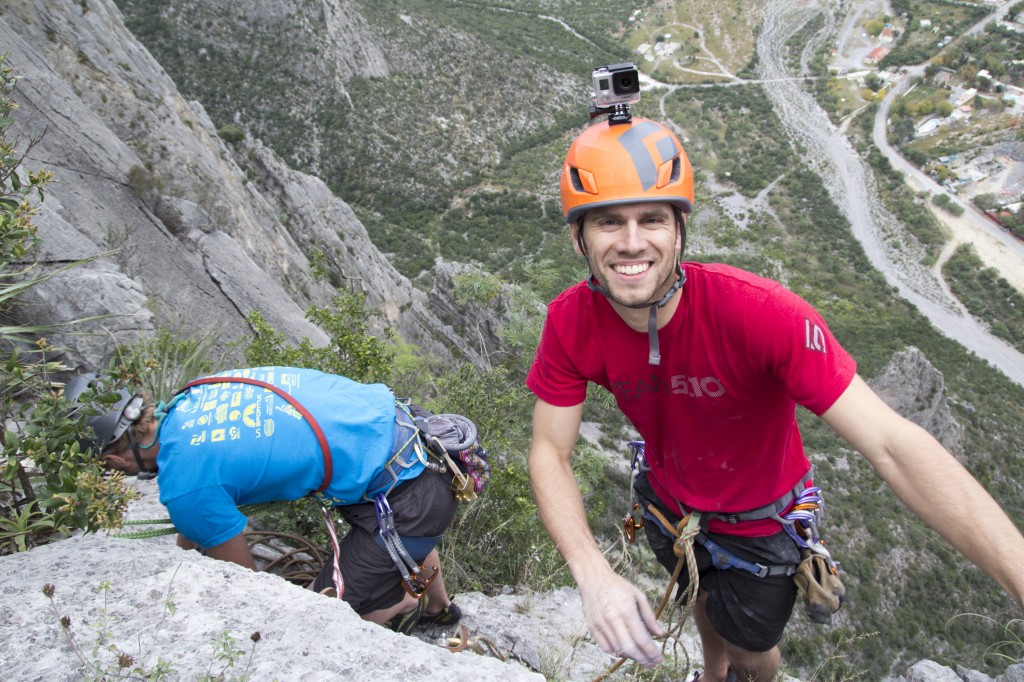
(107, 427)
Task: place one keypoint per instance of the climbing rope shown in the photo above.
(289, 556)
(138, 535)
(247, 509)
(685, 533)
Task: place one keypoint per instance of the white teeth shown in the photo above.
(632, 269)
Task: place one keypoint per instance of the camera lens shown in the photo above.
(626, 83)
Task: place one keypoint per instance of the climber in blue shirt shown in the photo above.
(263, 434)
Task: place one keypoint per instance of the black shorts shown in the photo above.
(747, 611)
(423, 509)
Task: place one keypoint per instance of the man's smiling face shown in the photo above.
(631, 250)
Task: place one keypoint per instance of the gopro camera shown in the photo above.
(615, 85)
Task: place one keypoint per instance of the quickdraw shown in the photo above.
(802, 523)
(633, 520)
(414, 578)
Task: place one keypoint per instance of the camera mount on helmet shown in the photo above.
(615, 87)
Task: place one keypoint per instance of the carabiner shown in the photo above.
(630, 524)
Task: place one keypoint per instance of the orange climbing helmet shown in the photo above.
(625, 163)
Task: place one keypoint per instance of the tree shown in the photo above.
(986, 202)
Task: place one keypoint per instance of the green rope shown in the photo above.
(246, 509)
(146, 533)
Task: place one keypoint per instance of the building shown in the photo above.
(928, 127)
(876, 55)
(965, 97)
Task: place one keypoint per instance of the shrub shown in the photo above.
(48, 486)
(231, 134)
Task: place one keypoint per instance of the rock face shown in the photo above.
(183, 231)
(165, 603)
(479, 323)
(912, 386)
(930, 671)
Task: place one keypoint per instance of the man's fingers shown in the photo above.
(650, 620)
(624, 632)
(621, 620)
(644, 649)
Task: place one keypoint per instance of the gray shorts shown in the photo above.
(423, 509)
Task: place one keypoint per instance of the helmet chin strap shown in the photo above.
(144, 472)
(654, 357)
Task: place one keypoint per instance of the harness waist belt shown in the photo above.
(768, 511)
(407, 452)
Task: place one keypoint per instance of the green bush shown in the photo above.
(945, 203)
(987, 295)
(352, 352)
(60, 489)
(231, 133)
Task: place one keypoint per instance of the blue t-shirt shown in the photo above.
(228, 444)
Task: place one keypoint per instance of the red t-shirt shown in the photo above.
(718, 415)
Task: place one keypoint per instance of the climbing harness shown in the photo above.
(408, 452)
(800, 512)
(807, 505)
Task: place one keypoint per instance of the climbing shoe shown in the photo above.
(403, 623)
(449, 615)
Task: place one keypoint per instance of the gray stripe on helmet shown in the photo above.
(633, 142)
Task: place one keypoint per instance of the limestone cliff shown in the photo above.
(912, 386)
(184, 230)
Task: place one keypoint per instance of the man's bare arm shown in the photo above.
(235, 550)
(930, 481)
(618, 614)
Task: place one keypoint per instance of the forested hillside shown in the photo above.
(444, 124)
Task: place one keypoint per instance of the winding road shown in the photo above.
(851, 186)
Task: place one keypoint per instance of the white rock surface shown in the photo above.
(302, 635)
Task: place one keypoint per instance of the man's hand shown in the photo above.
(621, 619)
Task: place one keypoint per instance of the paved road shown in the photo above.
(850, 185)
(996, 246)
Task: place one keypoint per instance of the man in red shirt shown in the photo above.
(709, 363)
